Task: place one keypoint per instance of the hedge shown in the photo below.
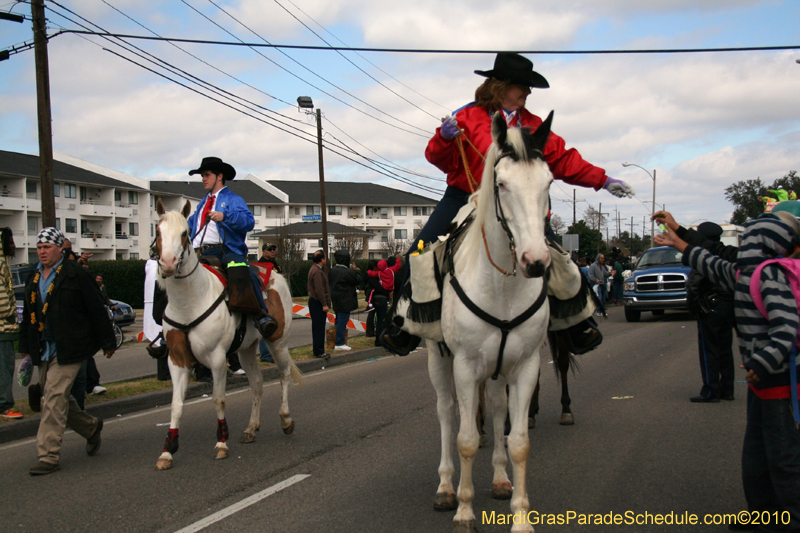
(123, 278)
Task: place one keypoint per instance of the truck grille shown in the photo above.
(661, 283)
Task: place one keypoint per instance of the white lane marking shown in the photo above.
(155, 410)
(236, 507)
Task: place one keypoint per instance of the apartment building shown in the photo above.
(111, 214)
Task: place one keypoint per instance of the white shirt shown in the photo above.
(209, 234)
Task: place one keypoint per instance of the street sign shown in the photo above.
(311, 218)
(570, 242)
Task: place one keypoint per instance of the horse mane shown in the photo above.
(517, 142)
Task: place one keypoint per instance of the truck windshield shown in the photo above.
(666, 256)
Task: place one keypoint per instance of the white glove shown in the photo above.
(619, 188)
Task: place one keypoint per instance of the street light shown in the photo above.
(305, 102)
(653, 212)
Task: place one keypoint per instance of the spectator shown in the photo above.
(379, 300)
(344, 282)
(617, 281)
(597, 277)
(5, 190)
(583, 265)
(268, 253)
(385, 272)
(68, 323)
(319, 301)
(714, 309)
(154, 303)
(9, 328)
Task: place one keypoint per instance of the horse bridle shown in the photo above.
(501, 217)
(155, 255)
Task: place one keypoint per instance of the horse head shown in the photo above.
(172, 238)
(517, 181)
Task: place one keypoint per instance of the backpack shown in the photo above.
(791, 269)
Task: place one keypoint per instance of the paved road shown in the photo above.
(367, 438)
(131, 361)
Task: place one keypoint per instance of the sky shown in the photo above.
(699, 121)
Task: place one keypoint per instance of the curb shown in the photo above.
(28, 427)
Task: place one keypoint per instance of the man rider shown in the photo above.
(220, 225)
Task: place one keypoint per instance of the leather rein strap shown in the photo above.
(505, 326)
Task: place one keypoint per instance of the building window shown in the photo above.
(312, 210)
(371, 255)
(117, 198)
(152, 231)
(400, 211)
(70, 190)
(133, 198)
(71, 225)
(30, 188)
(33, 225)
(334, 210)
(401, 234)
(152, 201)
(84, 194)
(134, 256)
(56, 190)
(385, 235)
(85, 227)
(422, 211)
(417, 231)
(133, 228)
(296, 210)
(58, 224)
(256, 209)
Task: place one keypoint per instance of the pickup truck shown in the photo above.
(657, 283)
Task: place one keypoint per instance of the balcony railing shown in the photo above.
(91, 201)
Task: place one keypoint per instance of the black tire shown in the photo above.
(118, 335)
(658, 312)
(632, 316)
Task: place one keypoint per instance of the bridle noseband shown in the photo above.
(157, 256)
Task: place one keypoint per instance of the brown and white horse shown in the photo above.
(198, 327)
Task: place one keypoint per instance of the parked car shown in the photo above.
(124, 315)
(656, 284)
(19, 275)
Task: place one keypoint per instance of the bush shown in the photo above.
(123, 278)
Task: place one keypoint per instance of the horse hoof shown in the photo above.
(567, 419)
(221, 453)
(484, 440)
(465, 527)
(502, 491)
(289, 429)
(164, 464)
(445, 501)
(247, 438)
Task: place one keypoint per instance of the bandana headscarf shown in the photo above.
(50, 236)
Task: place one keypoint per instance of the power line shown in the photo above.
(449, 51)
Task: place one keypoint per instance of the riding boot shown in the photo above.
(581, 338)
(266, 326)
(399, 342)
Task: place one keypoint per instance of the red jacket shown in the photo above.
(386, 273)
(476, 123)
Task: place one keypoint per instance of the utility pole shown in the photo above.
(600, 226)
(630, 237)
(574, 203)
(322, 205)
(48, 200)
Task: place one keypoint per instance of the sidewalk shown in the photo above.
(27, 427)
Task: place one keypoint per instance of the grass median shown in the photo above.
(126, 389)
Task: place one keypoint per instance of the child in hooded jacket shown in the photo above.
(386, 273)
(771, 449)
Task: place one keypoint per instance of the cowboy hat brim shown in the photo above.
(217, 166)
(527, 79)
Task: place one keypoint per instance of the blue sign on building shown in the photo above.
(311, 218)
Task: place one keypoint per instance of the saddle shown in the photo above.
(237, 279)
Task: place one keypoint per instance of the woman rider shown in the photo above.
(508, 85)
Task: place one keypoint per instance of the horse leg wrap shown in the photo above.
(171, 445)
(222, 430)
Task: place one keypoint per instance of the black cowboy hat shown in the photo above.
(217, 166)
(512, 67)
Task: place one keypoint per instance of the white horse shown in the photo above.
(198, 326)
(498, 323)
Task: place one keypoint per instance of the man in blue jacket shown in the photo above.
(220, 225)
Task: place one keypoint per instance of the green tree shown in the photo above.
(589, 240)
(744, 195)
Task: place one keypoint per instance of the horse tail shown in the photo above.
(297, 375)
(563, 360)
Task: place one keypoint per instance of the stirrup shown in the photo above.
(266, 326)
(157, 352)
(399, 342)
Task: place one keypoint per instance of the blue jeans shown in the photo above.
(771, 459)
(227, 256)
(7, 364)
(341, 327)
(263, 349)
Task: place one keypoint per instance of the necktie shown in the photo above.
(206, 210)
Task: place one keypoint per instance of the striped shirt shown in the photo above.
(764, 343)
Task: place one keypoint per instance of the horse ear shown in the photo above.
(187, 209)
(539, 137)
(160, 208)
(499, 129)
